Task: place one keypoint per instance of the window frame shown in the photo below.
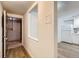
(29, 36)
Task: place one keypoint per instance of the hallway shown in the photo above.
(26, 28)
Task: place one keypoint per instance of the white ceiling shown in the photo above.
(17, 7)
(68, 8)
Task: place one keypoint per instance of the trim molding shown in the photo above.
(28, 51)
(70, 43)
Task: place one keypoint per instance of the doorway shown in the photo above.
(14, 32)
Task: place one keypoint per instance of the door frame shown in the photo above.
(21, 30)
(20, 20)
(2, 35)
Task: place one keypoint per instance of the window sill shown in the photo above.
(33, 38)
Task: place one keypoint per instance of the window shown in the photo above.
(33, 24)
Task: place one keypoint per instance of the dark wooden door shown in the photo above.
(14, 29)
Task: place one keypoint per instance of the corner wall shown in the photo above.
(45, 47)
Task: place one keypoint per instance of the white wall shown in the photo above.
(1, 9)
(45, 47)
(59, 29)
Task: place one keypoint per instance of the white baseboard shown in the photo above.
(28, 51)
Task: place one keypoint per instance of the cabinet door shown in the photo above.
(75, 38)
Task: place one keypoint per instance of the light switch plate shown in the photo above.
(47, 20)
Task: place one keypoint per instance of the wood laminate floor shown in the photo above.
(66, 50)
(18, 52)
